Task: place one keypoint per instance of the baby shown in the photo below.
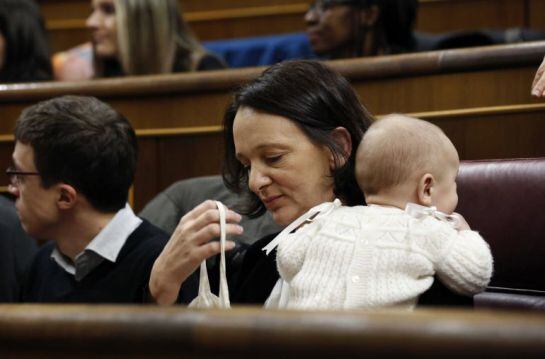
(385, 253)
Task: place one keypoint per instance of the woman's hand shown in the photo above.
(461, 223)
(188, 246)
(538, 86)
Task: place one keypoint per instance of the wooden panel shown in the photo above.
(64, 9)
(537, 14)
(151, 111)
(63, 35)
(491, 133)
(447, 91)
(99, 331)
(449, 15)
(212, 20)
(79, 9)
(146, 182)
(175, 157)
(208, 5)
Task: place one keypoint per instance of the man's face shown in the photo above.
(36, 205)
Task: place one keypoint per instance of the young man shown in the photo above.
(74, 161)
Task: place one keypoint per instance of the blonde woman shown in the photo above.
(135, 37)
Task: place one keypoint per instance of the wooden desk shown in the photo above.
(66, 331)
(212, 20)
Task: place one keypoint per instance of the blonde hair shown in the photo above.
(152, 36)
(398, 149)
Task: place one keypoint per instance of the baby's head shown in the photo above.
(403, 159)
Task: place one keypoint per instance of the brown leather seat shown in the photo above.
(505, 201)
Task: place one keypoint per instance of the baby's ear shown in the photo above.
(425, 189)
(342, 137)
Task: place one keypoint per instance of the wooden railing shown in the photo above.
(213, 20)
(151, 332)
(433, 81)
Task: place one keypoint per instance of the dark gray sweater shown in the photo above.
(124, 281)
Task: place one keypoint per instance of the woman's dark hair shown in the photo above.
(394, 30)
(315, 98)
(27, 56)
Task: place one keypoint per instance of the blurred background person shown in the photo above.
(17, 251)
(24, 51)
(356, 28)
(135, 37)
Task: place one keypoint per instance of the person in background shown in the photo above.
(355, 28)
(135, 37)
(24, 51)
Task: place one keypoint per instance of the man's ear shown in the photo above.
(68, 196)
(342, 137)
(425, 189)
(369, 16)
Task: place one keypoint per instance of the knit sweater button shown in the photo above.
(355, 279)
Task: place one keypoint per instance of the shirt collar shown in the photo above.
(108, 242)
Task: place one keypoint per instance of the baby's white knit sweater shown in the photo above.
(375, 256)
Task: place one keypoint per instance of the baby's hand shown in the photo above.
(538, 86)
(461, 223)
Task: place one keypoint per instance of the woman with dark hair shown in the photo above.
(290, 138)
(290, 144)
(356, 28)
(24, 52)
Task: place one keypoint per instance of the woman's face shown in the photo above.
(330, 27)
(288, 172)
(103, 27)
(2, 50)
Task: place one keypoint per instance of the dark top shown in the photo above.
(17, 251)
(209, 61)
(258, 275)
(124, 281)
